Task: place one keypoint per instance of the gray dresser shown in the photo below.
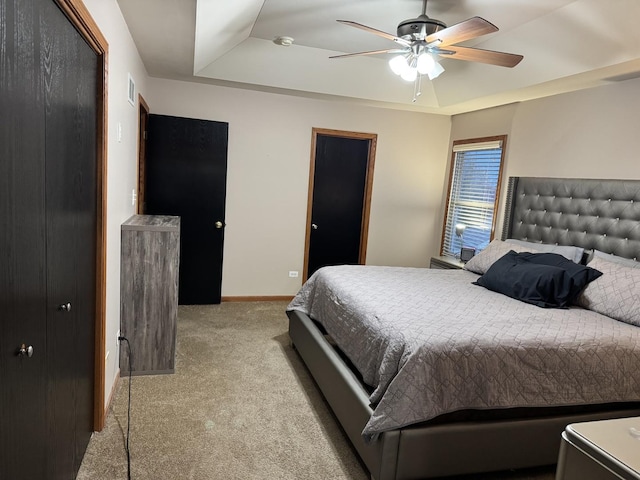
(150, 261)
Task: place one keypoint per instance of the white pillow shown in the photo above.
(616, 259)
(616, 293)
(572, 253)
(497, 249)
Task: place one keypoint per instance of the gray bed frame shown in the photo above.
(594, 214)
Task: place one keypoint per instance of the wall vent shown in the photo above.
(131, 91)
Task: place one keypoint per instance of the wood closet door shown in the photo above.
(22, 233)
(70, 69)
(47, 240)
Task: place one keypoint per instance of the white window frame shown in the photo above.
(478, 216)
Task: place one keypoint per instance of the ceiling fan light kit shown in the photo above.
(409, 65)
(421, 39)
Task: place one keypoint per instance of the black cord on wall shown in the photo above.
(125, 339)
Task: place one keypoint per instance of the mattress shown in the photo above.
(429, 342)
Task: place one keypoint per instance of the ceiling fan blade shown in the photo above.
(491, 57)
(380, 33)
(471, 28)
(374, 52)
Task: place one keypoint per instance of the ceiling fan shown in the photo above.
(421, 40)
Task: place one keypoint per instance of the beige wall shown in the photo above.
(268, 174)
(591, 133)
(121, 158)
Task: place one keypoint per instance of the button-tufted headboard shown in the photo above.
(588, 213)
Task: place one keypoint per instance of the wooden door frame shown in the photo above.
(368, 189)
(143, 125)
(81, 19)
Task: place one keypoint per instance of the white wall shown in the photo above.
(121, 157)
(268, 173)
(591, 133)
(268, 167)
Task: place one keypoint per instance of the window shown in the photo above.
(474, 186)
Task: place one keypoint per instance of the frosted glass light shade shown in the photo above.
(398, 64)
(425, 63)
(435, 71)
(409, 65)
(410, 74)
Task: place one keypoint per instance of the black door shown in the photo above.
(71, 179)
(48, 239)
(339, 200)
(186, 171)
(23, 302)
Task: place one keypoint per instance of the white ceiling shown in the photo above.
(567, 45)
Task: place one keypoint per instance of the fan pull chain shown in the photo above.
(417, 88)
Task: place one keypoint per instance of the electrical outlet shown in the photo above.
(134, 197)
(293, 274)
(117, 339)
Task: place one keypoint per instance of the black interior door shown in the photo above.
(186, 171)
(340, 173)
(48, 240)
(23, 261)
(70, 145)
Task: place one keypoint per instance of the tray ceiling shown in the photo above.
(567, 45)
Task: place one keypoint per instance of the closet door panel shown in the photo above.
(22, 262)
(70, 98)
(86, 209)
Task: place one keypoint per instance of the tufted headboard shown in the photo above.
(588, 213)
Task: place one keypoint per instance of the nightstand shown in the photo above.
(446, 263)
(601, 450)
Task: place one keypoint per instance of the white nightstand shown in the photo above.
(603, 450)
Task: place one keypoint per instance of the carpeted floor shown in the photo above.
(241, 405)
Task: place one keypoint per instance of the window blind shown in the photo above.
(472, 197)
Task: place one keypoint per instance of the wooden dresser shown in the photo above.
(150, 261)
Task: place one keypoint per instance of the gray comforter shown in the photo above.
(429, 342)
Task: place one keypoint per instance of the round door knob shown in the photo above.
(314, 226)
(65, 307)
(25, 351)
(219, 224)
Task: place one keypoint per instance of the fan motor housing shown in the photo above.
(419, 28)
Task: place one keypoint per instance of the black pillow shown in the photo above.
(543, 279)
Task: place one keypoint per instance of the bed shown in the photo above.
(488, 420)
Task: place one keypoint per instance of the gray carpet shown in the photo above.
(241, 405)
